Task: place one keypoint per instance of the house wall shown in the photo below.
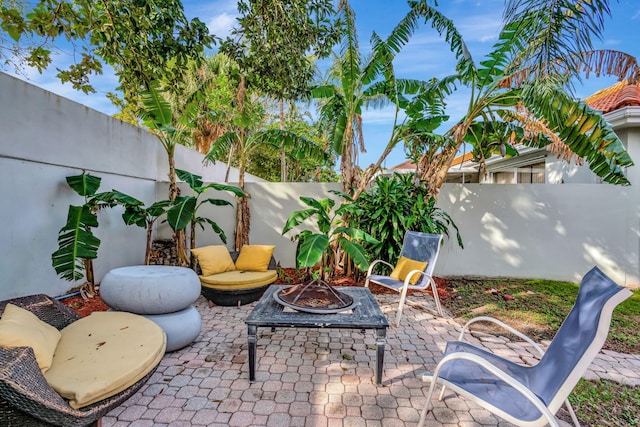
(555, 232)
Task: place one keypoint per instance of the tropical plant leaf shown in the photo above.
(216, 229)
(356, 252)
(194, 181)
(157, 112)
(221, 146)
(133, 215)
(84, 184)
(310, 249)
(75, 242)
(585, 132)
(180, 214)
(296, 218)
(230, 188)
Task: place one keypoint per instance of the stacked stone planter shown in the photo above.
(163, 294)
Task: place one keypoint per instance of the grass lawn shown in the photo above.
(537, 308)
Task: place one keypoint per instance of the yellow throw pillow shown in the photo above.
(254, 257)
(213, 259)
(22, 328)
(405, 266)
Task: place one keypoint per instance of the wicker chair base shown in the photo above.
(232, 298)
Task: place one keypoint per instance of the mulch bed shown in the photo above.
(286, 276)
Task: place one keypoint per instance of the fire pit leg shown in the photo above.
(381, 338)
(252, 338)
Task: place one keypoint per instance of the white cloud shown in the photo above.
(221, 25)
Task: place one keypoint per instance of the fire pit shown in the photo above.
(314, 296)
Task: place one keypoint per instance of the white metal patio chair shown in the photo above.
(531, 395)
(417, 247)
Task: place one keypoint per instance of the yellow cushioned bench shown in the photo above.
(236, 287)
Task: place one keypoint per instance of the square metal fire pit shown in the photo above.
(365, 314)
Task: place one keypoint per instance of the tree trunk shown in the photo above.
(243, 215)
(283, 155)
(147, 253)
(434, 171)
(179, 237)
(192, 235)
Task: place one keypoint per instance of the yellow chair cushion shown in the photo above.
(254, 257)
(405, 266)
(234, 280)
(213, 259)
(22, 328)
(102, 354)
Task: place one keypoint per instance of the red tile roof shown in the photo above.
(620, 95)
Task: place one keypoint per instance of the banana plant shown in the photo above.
(145, 217)
(77, 245)
(184, 210)
(334, 235)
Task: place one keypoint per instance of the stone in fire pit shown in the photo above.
(314, 296)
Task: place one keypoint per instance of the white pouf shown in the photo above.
(181, 327)
(150, 289)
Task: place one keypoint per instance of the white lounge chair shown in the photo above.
(419, 247)
(531, 395)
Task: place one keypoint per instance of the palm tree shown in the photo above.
(246, 134)
(356, 83)
(521, 92)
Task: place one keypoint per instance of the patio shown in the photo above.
(318, 377)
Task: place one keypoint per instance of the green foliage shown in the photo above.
(76, 241)
(599, 403)
(519, 93)
(539, 308)
(333, 233)
(183, 211)
(276, 41)
(142, 40)
(394, 205)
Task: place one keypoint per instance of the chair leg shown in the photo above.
(436, 298)
(403, 297)
(425, 410)
(574, 418)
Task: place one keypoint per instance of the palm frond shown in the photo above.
(585, 132)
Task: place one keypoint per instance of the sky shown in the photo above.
(426, 55)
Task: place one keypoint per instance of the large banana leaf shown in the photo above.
(75, 243)
(310, 249)
(180, 214)
(585, 132)
(194, 181)
(223, 187)
(157, 110)
(84, 184)
(356, 252)
(296, 218)
(216, 229)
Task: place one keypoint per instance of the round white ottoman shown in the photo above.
(160, 293)
(150, 289)
(181, 327)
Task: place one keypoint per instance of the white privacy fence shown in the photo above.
(541, 231)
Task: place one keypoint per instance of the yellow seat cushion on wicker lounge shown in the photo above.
(234, 280)
(22, 328)
(102, 354)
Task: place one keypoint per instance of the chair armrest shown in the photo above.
(378, 261)
(474, 358)
(46, 308)
(504, 326)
